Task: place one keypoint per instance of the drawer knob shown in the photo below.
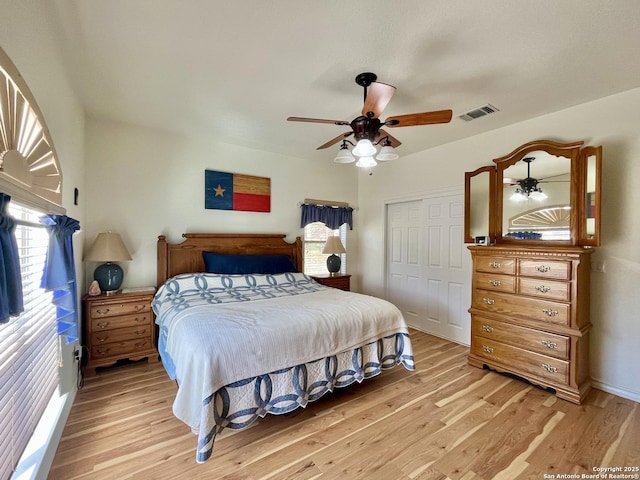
(487, 349)
(103, 312)
(543, 288)
(549, 313)
(488, 301)
(549, 368)
(542, 268)
(495, 264)
(487, 328)
(495, 283)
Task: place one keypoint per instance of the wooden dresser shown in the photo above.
(335, 281)
(117, 327)
(530, 315)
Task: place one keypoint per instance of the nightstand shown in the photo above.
(117, 327)
(336, 281)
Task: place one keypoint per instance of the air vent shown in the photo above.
(479, 112)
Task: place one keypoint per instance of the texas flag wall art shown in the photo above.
(234, 191)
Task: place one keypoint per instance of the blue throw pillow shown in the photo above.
(245, 264)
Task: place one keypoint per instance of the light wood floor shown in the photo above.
(446, 420)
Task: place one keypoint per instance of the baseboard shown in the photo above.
(605, 387)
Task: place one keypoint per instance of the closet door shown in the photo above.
(428, 265)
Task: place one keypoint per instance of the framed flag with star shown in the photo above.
(234, 191)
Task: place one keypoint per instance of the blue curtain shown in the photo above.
(11, 302)
(332, 217)
(59, 274)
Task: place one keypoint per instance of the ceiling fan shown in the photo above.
(367, 128)
(527, 188)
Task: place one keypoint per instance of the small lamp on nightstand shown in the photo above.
(334, 247)
(108, 247)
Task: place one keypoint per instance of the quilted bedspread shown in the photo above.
(218, 330)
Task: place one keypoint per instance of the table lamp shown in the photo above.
(108, 247)
(333, 246)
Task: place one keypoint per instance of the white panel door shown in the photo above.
(404, 258)
(428, 265)
(447, 270)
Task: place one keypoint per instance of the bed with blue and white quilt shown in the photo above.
(243, 345)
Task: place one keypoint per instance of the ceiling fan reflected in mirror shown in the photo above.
(367, 128)
(528, 188)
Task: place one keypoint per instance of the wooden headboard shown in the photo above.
(186, 257)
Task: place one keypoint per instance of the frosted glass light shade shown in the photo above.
(364, 148)
(344, 156)
(387, 153)
(366, 162)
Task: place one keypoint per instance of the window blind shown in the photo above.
(28, 347)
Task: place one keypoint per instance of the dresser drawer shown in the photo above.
(120, 334)
(521, 361)
(522, 337)
(555, 269)
(495, 282)
(522, 307)
(495, 265)
(119, 349)
(550, 289)
(110, 323)
(111, 309)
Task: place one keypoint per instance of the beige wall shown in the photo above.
(614, 123)
(143, 183)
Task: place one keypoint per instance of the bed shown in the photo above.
(244, 334)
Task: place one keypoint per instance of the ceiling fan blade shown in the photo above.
(378, 96)
(426, 118)
(339, 138)
(316, 120)
(394, 141)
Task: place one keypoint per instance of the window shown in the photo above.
(28, 347)
(315, 236)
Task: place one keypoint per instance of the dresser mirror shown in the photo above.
(478, 214)
(543, 192)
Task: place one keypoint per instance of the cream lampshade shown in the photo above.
(334, 247)
(108, 247)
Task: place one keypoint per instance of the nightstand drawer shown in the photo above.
(105, 309)
(111, 323)
(121, 334)
(121, 349)
(336, 281)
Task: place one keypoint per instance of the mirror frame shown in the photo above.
(568, 150)
(585, 153)
(468, 176)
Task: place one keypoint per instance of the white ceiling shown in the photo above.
(236, 69)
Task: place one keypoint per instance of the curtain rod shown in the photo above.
(327, 203)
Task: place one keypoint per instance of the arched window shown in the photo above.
(29, 168)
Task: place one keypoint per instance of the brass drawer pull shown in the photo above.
(103, 312)
(137, 308)
(543, 288)
(551, 345)
(487, 328)
(102, 339)
(488, 301)
(549, 313)
(103, 325)
(495, 283)
(549, 368)
(495, 264)
(487, 349)
(542, 268)
(140, 332)
(140, 319)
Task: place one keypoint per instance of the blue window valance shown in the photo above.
(11, 302)
(332, 217)
(59, 274)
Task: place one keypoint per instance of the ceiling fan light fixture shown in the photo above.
(364, 148)
(387, 153)
(344, 155)
(518, 196)
(537, 194)
(366, 162)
